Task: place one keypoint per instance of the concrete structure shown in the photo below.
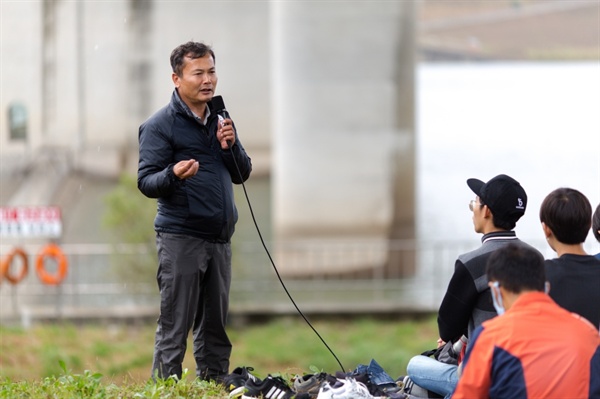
(324, 90)
(88, 73)
(343, 129)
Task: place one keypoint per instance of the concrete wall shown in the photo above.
(321, 92)
(90, 72)
(20, 73)
(343, 122)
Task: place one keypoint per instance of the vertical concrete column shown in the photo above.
(139, 76)
(343, 132)
(401, 251)
(139, 34)
(49, 66)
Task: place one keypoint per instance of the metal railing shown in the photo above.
(95, 289)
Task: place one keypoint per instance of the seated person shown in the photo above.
(574, 276)
(497, 207)
(534, 348)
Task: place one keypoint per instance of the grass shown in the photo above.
(113, 361)
(89, 385)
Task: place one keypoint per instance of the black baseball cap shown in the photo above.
(503, 195)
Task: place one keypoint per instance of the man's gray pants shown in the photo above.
(194, 277)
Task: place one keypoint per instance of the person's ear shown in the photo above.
(547, 287)
(487, 213)
(547, 231)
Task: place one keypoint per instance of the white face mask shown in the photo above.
(497, 298)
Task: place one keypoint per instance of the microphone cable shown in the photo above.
(273, 263)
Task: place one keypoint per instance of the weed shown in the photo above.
(55, 361)
(89, 385)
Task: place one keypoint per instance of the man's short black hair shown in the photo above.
(517, 268)
(596, 223)
(568, 213)
(190, 49)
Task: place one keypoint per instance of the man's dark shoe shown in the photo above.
(238, 377)
(269, 388)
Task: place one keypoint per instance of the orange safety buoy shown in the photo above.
(51, 251)
(5, 266)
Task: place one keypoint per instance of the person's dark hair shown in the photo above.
(498, 222)
(192, 50)
(503, 224)
(517, 268)
(568, 213)
(596, 223)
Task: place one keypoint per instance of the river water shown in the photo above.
(537, 122)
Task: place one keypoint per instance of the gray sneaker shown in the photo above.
(309, 384)
(416, 391)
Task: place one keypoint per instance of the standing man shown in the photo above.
(189, 158)
(574, 276)
(535, 348)
(497, 207)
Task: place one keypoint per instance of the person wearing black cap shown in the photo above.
(467, 303)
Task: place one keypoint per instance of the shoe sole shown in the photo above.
(237, 392)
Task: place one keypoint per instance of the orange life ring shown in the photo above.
(5, 267)
(51, 251)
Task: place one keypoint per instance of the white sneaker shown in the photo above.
(347, 388)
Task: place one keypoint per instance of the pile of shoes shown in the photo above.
(241, 383)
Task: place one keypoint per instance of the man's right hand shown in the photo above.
(186, 169)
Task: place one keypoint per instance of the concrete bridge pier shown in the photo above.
(343, 129)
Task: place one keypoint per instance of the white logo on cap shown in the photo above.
(520, 206)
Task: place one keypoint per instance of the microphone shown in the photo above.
(219, 107)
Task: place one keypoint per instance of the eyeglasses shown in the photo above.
(472, 204)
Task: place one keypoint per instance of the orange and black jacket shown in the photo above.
(535, 350)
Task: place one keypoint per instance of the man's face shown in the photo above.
(478, 215)
(198, 81)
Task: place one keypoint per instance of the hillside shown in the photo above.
(508, 30)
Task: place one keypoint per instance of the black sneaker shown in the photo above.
(269, 388)
(236, 381)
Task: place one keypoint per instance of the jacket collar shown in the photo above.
(182, 107)
(499, 235)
